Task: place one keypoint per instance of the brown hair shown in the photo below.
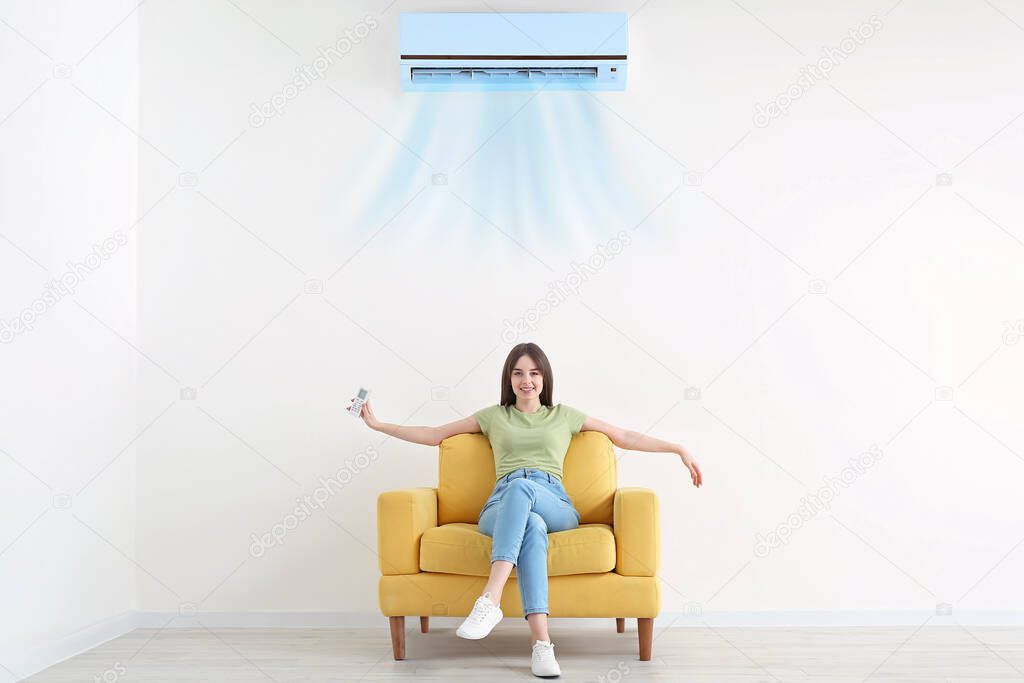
(508, 396)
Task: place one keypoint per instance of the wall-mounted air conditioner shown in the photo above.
(510, 51)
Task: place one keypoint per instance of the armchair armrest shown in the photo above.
(635, 523)
(402, 517)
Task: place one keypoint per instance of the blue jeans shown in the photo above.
(525, 505)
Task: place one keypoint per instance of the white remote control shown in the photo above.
(357, 406)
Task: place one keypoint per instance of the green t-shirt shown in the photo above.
(538, 440)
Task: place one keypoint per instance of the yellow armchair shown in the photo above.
(435, 561)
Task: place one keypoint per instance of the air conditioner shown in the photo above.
(511, 51)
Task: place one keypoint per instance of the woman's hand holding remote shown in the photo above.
(368, 417)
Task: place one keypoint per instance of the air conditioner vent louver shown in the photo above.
(496, 75)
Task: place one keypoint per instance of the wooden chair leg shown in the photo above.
(645, 629)
(424, 624)
(398, 637)
(620, 624)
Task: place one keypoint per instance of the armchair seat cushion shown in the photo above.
(460, 548)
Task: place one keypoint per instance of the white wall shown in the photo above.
(68, 176)
(712, 292)
(809, 277)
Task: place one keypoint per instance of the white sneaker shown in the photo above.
(481, 620)
(544, 664)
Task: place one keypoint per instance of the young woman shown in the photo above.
(529, 437)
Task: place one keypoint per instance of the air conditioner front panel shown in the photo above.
(482, 51)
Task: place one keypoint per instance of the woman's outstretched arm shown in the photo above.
(428, 436)
(637, 441)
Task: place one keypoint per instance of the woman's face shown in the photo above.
(527, 381)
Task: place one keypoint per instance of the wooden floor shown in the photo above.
(934, 653)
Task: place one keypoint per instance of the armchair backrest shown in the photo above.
(466, 477)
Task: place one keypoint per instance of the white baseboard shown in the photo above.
(780, 619)
(269, 619)
(838, 619)
(18, 665)
(81, 641)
